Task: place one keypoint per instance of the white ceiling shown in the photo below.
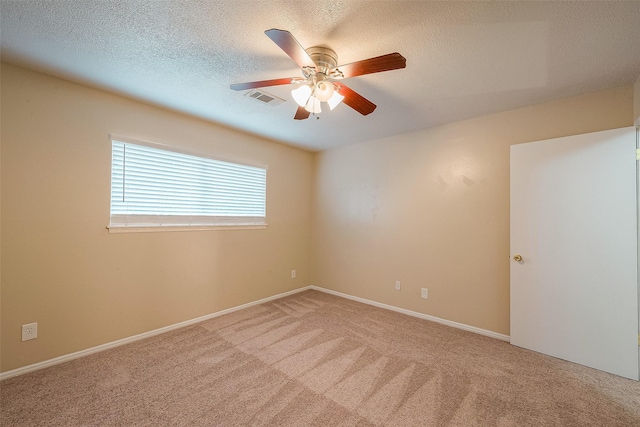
(464, 59)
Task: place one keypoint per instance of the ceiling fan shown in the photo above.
(320, 71)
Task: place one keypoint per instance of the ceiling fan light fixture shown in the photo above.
(335, 99)
(313, 106)
(301, 95)
(324, 90)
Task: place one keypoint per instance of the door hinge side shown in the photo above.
(637, 153)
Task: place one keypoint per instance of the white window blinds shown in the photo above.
(155, 187)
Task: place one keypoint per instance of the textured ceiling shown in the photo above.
(464, 59)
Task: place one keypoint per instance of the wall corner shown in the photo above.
(636, 102)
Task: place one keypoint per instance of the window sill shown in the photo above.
(116, 229)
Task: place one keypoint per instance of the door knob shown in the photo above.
(517, 257)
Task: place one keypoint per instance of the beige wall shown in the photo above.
(84, 286)
(431, 209)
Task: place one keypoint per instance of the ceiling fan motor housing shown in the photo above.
(324, 58)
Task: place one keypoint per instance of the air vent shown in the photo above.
(264, 97)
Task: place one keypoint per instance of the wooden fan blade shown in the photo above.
(354, 100)
(301, 114)
(291, 47)
(263, 83)
(388, 62)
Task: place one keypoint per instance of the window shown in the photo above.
(153, 188)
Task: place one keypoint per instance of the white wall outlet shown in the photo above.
(397, 286)
(424, 293)
(293, 274)
(29, 331)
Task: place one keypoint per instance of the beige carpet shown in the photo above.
(313, 359)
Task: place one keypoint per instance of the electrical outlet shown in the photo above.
(424, 293)
(29, 331)
(293, 274)
(397, 286)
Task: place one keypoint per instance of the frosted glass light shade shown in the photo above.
(313, 106)
(335, 99)
(301, 94)
(324, 90)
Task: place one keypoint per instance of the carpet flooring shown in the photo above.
(314, 359)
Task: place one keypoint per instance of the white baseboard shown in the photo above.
(113, 344)
(416, 314)
(109, 345)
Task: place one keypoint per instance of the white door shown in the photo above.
(574, 294)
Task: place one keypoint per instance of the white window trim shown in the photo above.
(119, 229)
(168, 223)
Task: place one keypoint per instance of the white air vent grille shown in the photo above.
(264, 97)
